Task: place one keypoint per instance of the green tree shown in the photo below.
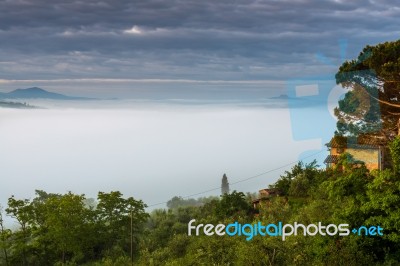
(382, 207)
(67, 222)
(284, 182)
(119, 218)
(298, 180)
(22, 211)
(5, 235)
(177, 202)
(395, 155)
(233, 205)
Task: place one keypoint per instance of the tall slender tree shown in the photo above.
(224, 185)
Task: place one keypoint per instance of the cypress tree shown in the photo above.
(224, 185)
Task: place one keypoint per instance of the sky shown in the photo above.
(207, 69)
(89, 47)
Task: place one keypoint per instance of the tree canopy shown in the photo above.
(372, 105)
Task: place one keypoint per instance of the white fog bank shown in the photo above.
(150, 153)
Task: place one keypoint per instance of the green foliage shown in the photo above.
(21, 210)
(179, 202)
(114, 217)
(278, 209)
(284, 182)
(349, 194)
(232, 205)
(395, 155)
(5, 238)
(67, 232)
(63, 229)
(120, 261)
(299, 181)
(383, 204)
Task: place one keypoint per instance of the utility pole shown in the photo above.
(131, 237)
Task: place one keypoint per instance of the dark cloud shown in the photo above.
(186, 39)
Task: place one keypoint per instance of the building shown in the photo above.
(370, 152)
(264, 196)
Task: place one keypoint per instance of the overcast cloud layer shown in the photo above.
(193, 40)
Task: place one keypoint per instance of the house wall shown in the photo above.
(335, 151)
(369, 156)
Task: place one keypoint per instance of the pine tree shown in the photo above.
(372, 103)
(224, 185)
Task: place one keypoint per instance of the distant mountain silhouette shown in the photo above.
(38, 93)
(298, 102)
(282, 96)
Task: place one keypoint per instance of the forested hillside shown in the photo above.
(69, 228)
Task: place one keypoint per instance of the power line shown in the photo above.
(242, 180)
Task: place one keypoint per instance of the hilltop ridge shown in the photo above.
(38, 93)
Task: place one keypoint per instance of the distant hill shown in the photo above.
(16, 105)
(38, 93)
(282, 96)
(298, 102)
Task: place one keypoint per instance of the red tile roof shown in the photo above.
(343, 142)
(332, 159)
